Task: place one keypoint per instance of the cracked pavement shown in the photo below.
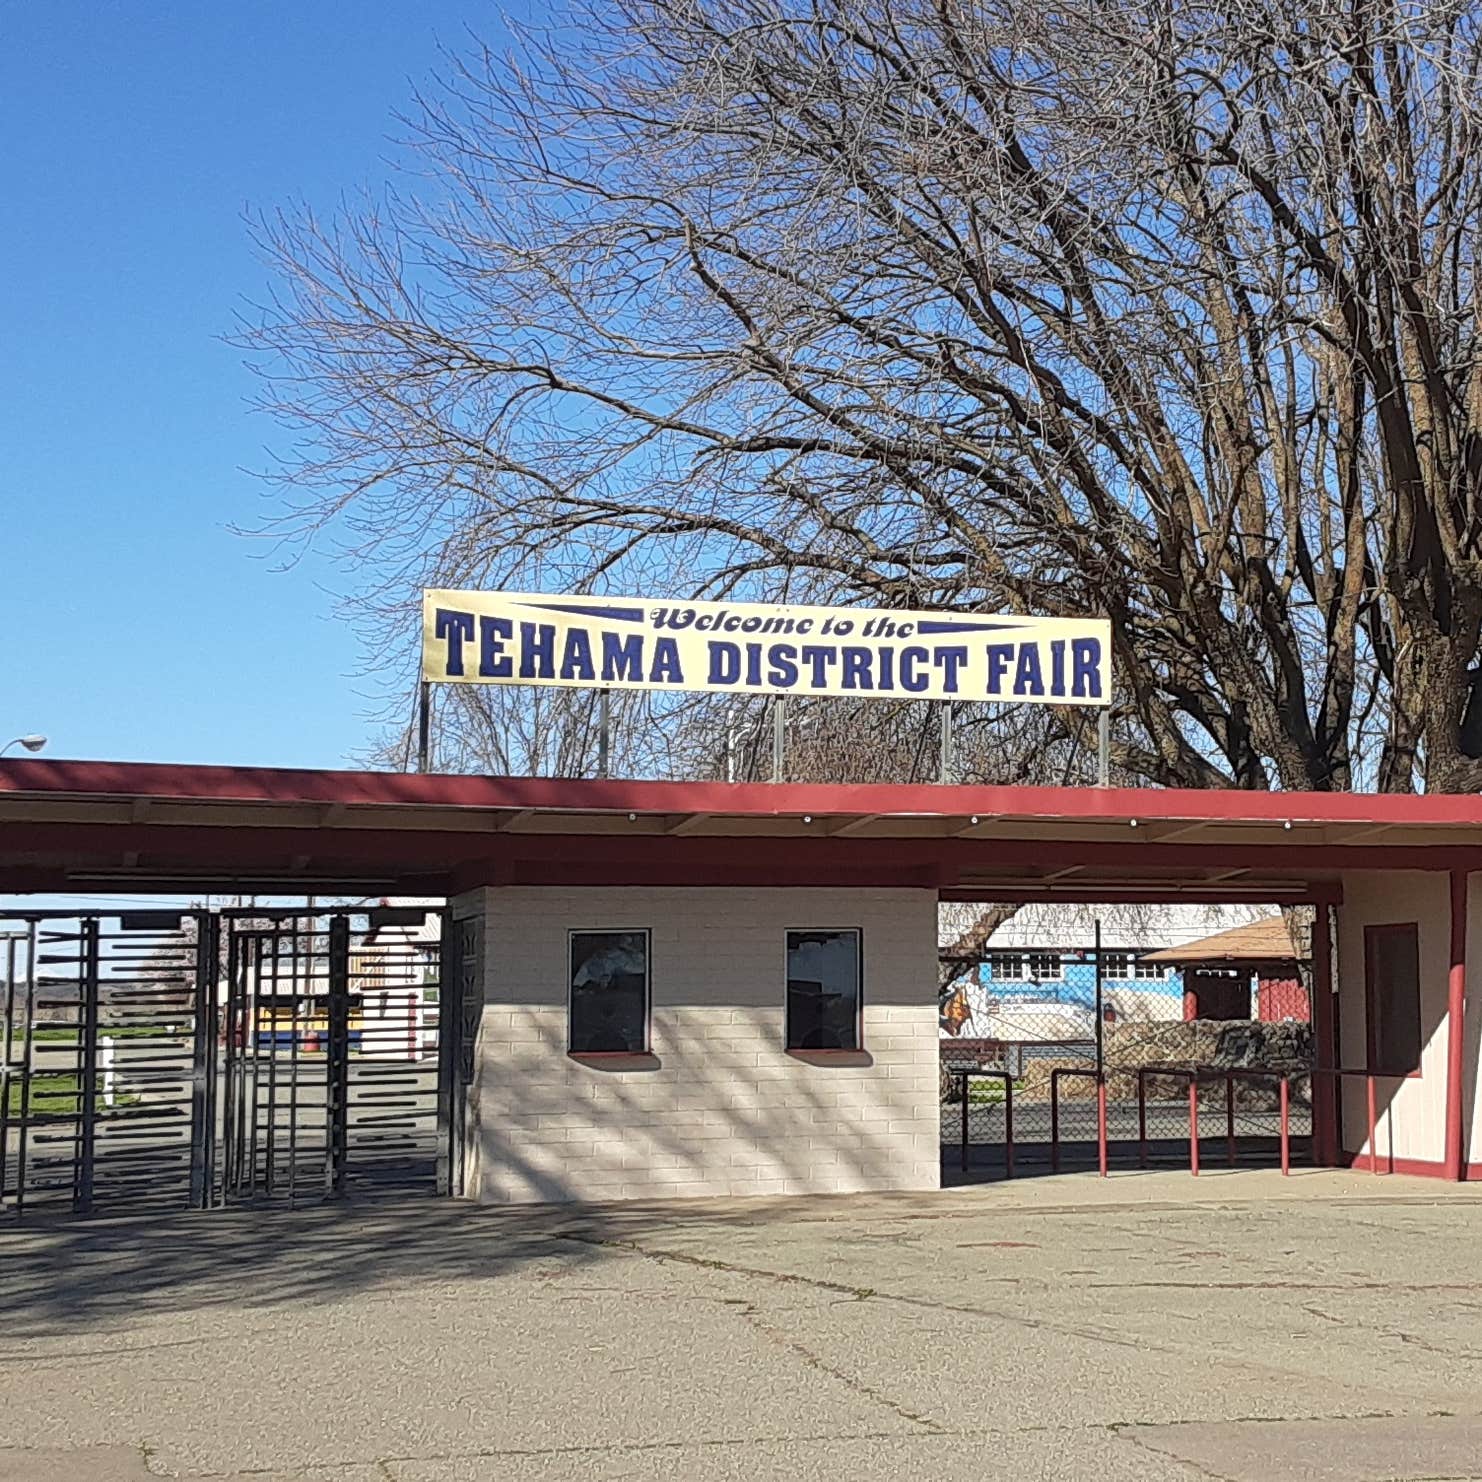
(1148, 1327)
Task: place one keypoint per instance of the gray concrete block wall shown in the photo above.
(720, 1107)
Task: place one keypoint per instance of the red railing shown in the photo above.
(1194, 1073)
(1055, 1077)
(1371, 1099)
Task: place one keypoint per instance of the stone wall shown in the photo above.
(1227, 1043)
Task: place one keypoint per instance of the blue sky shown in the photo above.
(135, 625)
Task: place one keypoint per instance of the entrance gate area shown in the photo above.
(1058, 1045)
(158, 1060)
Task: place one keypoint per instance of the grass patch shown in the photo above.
(61, 1034)
(60, 1096)
(987, 1093)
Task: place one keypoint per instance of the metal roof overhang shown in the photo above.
(72, 825)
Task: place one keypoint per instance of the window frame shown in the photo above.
(1149, 972)
(999, 959)
(857, 932)
(646, 932)
(1035, 961)
(1372, 932)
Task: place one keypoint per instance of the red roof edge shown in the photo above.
(184, 782)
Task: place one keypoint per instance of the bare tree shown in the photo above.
(1167, 310)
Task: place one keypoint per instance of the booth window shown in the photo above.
(1392, 990)
(609, 988)
(823, 990)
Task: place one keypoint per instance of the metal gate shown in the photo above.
(163, 1059)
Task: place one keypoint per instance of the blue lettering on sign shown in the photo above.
(910, 679)
(1085, 658)
(753, 664)
(622, 656)
(999, 655)
(856, 674)
(725, 661)
(537, 651)
(819, 656)
(494, 633)
(784, 665)
(949, 661)
(885, 679)
(457, 628)
(666, 668)
(576, 660)
(1028, 678)
(1057, 668)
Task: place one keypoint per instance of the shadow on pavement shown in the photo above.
(60, 1277)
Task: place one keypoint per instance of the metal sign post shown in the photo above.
(946, 772)
(604, 731)
(424, 727)
(779, 736)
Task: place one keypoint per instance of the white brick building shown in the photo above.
(717, 1103)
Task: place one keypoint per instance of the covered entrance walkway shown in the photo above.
(525, 862)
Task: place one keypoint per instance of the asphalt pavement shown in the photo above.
(1144, 1328)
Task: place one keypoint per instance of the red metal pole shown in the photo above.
(1194, 1124)
(1456, 1007)
(1373, 1126)
(1325, 1089)
(1054, 1121)
(1101, 1122)
(1230, 1120)
(1286, 1146)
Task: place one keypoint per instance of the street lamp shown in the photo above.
(31, 743)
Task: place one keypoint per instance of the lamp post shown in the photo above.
(31, 743)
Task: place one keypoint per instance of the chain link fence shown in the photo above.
(1029, 1039)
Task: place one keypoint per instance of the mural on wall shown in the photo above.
(1036, 979)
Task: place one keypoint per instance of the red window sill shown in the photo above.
(832, 1057)
(636, 1059)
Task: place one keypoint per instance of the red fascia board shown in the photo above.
(576, 851)
(162, 782)
(507, 858)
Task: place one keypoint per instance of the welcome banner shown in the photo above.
(762, 648)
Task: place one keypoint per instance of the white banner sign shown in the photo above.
(762, 648)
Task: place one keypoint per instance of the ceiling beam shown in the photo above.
(506, 821)
(853, 825)
(1159, 833)
(1356, 835)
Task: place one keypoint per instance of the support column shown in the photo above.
(1325, 1088)
(1456, 1006)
